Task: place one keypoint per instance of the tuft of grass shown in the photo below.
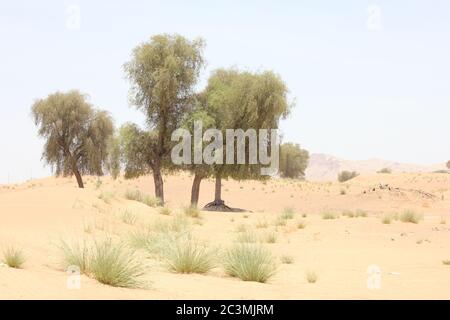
(280, 221)
(387, 219)
(285, 259)
(348, 213)
(247, 236)
(327, 215)
(288, 213)
(304, 215)
(249, 263)
(270, 237)
(410, 216)
(75, 254)
(446, 262)
(115, 265)
(107, 196)
(192, 212)
(301, 225)
(343, 192)
(138, 196)
(361, 213)
(13, 257)
(166, 211)
(262, 225)
(128, 217)
(186, 255)
(140, 239)
(311, 277)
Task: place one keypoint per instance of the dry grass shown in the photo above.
(410, 216)
(13, 257)
(311, 277)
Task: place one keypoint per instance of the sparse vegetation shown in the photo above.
(301, 225)
(128, 217)
(75, 254)
(385, 171)
(13, 257)
(410, 216)
(446, 262)
(270, 237)
(288, 213)
(328, 215)
(311, 277)
(148, 200)
(249, 262)
(285, 259)
(192, 212)
(166, 211)
(247, 236)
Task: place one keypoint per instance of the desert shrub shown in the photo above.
(385, 170)
(13, 257)
(328, 215)
(249, 262)
(288, 213)
(186, 255)
(410, 216)
(348, 213)
(280, 221)
(360, 213)
(270, 237)
(387, 219)
(347, 175)
(115, 265)
(446, 262)
(311, 277)
(287, 259)
(165, 211)
(262, 225)
(192, 212)
(301, 225)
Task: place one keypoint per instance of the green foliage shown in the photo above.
(114, 156)
(347, 175)
(293, 160)
(76, 134)
(249, 262)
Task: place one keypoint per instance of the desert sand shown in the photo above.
(35, 215)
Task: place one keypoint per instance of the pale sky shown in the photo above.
(371, 78)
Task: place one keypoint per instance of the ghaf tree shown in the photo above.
(76, 134)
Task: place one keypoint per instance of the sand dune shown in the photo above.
(324, 167)
(37, 214)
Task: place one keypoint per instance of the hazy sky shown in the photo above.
(371, 78)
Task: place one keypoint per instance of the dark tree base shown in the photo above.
(221, 207)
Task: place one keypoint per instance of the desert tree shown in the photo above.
(163, 73)
(76, 134)
(293, 160)
(241, 100)
(114, 153)
(448, 164)
(347, 175)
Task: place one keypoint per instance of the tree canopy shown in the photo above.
(76, 134)
(162, 73)
(293, 161)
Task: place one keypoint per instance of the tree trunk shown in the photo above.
(218, 190)
(78, 176)
(196, 189)
(159, 184)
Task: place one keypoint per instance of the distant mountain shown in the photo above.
(324, 167)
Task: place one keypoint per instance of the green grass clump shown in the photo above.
(115, 265)
(13, 257)
(186, 255)
(288, 213)
(249, 262)
(75, 254)
(410, 216)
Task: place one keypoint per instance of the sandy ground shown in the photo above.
(36, 215)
